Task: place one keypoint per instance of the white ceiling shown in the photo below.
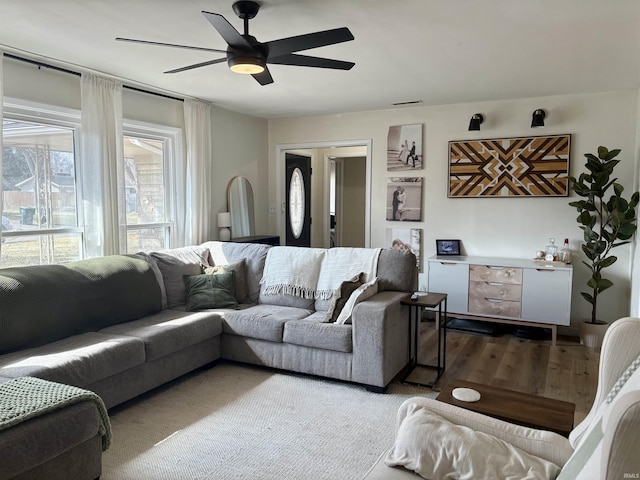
(437, 51)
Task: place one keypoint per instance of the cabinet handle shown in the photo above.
(545, 270)
(495, 284)
(495, 300)
(448, 263)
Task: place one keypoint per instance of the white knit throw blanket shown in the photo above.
(343, 263)
(292, 271)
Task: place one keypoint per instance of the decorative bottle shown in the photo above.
(551, 251)
(565, 253)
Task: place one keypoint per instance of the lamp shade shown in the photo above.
(475, 122)
(537, 119)
(224, 219)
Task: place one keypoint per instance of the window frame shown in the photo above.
(56, 116)
(172, 149)
(33, 112)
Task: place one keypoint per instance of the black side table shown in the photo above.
(431, 301)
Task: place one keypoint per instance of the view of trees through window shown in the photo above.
(41, 221)
(39, 214)
(147, 229)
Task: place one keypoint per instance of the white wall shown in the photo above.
(238, 148)
(500, 227)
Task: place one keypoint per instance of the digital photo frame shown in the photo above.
(447, 247)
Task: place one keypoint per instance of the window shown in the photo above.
(148, 150)
(39, 214)
(296, 203)
(42, 220)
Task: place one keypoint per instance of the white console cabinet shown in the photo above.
(504, 290)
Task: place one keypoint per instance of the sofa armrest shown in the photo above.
(621, 441)
(380, 339)
(541, 443)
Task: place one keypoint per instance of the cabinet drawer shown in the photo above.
(492, 306)
(488, 273)
(495, 290)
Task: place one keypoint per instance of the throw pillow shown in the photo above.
(240, 274)
(360, 294)
(211, 291)
(433, 447)
(174, 265)
(341, 296)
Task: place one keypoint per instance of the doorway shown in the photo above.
(347, 201)
(331, 194)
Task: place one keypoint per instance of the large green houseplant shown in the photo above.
(607, 219)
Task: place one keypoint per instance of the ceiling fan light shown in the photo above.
(246, 65)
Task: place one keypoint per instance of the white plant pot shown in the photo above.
(591, 334)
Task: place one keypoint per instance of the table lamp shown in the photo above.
(224, 222)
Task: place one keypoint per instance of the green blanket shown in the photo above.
(27, 397)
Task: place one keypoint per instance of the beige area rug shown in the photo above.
(239, 422)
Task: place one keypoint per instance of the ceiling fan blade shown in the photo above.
(263, 78)
(147, 42)
(284, 46)
(308, 61)
(226, 30)
(197, 65)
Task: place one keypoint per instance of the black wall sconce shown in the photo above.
(475, 122)
(537, 119)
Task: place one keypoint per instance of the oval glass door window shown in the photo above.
(296, 203)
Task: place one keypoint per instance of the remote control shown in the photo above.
(414, 297)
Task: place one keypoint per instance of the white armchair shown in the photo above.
(604, 446)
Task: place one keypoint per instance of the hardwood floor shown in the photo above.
(567, 371)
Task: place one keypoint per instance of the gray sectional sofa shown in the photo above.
(119, 326)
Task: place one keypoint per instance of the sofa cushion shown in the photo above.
(45, 303)
(211, 291)
(78, 360)
(170, 330)
(156, 271)
(265, 322)
(224, 253)
(174, 265)
(397, 270)
(314, 332)
(239, 270)
(433, 447)
(360, 294)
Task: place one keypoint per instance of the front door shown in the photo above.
(298, 204)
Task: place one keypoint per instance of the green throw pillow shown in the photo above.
(240, 274)
(211, 291)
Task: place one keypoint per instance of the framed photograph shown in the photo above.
(404, 199)
(407, 240)
(510, 167)
(404, 147)
(448, 247)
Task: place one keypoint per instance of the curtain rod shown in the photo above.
(71, 72)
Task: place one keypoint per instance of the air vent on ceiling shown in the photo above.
(410, 102)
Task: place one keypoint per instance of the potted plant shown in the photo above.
(608, 221)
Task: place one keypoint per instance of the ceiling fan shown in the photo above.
(245, 54)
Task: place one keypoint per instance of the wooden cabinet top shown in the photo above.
(498, 262)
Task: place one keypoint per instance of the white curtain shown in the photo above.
(1, 150)
(197, 122)
(102, 166)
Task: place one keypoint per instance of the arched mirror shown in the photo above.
(240, 203)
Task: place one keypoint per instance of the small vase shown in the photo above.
(591, 334)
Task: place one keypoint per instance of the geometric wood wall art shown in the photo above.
(510, 167)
